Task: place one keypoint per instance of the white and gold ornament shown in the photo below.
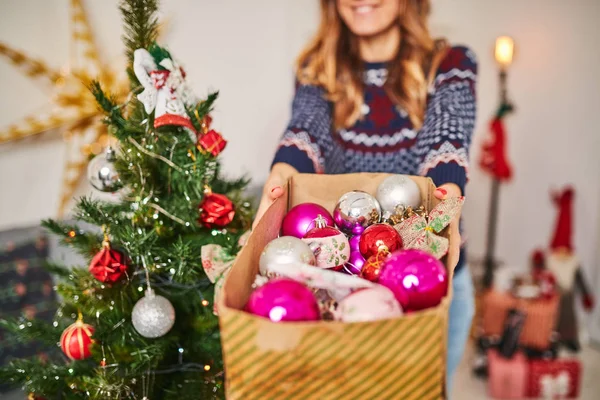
(283, 251)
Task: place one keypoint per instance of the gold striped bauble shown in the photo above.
(75, 341)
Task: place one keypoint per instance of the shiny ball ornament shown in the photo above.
(417, 279)
(284, 300)
(355, 211)
(108, 265)
(354, 242)
(76, 340)
(369, 304)
(330, 246)
(379, 237)
(398, 190)
(153, 315)
(301, 218)
(372, 267)
(356, 261)
(102, 173)
(285, 250)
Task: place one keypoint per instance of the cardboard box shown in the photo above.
(403, 358)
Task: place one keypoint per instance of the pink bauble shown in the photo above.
(417, 279)
(301, 218)
(370, 304)
(356, 260)
(354, 242)
(284, 300)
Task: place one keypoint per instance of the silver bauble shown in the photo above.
(398, 191)
(355, 211)
(285, 250)
(153, 315)
(102, 173)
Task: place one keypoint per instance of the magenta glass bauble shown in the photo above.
(284, 300)
(354, 242)
(417, 279)
(356, 260)
(301, 218)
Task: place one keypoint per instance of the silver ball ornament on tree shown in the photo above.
(153, 315)
(285, 250)
(355, 211)
(102, 173)
(398, 191)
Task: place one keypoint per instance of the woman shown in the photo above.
(363, 103)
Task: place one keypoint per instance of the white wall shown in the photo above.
(246, 49)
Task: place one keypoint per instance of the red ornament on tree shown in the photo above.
(379, 237)
(76, 340)
(108, 265)
(329, 244)
(212, 142)
(372, 267)
(216, 210)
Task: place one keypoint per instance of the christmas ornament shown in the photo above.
(329, 245)
(166, 92)
(494, 159)
(354, 242)
(76, 340)
(372, 267)
(370, 304)
(216, 210)
(398, 191)
(108, 265)
(356, 262)
(301, 218)
(421, 231)
(379, 237)
(285, 250)
(284, 300)
(212, 142)
(153, 315)
(417, 279)
(102, 173)
(355, 211)
(72, 108)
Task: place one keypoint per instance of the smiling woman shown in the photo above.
(376, 93)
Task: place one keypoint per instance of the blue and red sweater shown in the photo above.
(384, 139)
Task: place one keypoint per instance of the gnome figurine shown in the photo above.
(565, 266)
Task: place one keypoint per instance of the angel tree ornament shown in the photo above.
(421, 231)
(165, 89)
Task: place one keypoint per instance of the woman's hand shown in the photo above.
(273, 188)
(443, 192)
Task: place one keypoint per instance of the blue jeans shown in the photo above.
(462, 309)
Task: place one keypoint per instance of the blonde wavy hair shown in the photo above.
(332, 60)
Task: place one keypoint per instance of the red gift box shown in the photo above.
(554, 379)
(507, 378)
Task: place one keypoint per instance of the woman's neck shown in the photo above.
(381, 47)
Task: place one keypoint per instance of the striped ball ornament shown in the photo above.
(75, 341)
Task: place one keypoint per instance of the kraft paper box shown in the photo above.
(403, 358)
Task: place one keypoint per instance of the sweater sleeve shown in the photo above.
(301, 145)
(442, 147)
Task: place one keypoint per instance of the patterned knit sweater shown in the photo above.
(384, 139)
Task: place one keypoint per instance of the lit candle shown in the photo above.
(505, 48)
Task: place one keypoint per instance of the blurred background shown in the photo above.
(246, 50)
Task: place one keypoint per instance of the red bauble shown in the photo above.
(108, 265)
(216, 210)
(75, 341)
(379, 237)
(212, 142)
(372, 267)
(329, 244)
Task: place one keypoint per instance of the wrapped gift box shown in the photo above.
(554, 379)
(507, 378)
(541, 315)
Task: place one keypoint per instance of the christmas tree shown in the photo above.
(139, 322)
